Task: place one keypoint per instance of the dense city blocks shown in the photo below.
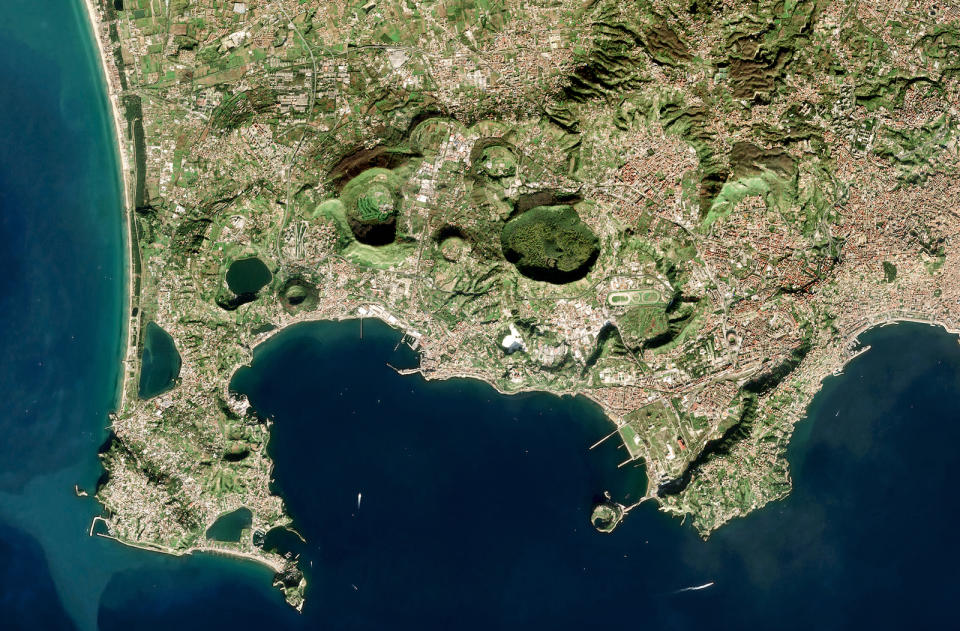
(684, 210)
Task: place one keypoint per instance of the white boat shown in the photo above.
(695, 588)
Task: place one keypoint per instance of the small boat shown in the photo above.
(359, 497)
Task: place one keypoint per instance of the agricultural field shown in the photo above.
(680, 210)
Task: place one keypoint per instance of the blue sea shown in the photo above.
(475, 505)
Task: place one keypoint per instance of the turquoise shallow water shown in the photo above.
(61, 297)
(60, 300)
(475, 505)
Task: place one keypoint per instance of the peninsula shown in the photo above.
(685, 210)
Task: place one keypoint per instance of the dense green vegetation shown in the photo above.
(431, 134)
(497, 161)
(371, 204)
(614, 62)
(606, 516)
(720, 140)
(296, 294)
(550, 243)
(770, 173)
(641, 325)
(133, 113)
(889, 271)
(240, 109)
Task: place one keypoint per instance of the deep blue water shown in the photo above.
(247, 276)
(475, 505)
(61, 296)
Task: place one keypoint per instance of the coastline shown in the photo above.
(838, 356)
(886, 319)
(208, 549)
(848, 352)
(128, 360)
(214, 550)
(130, 332)
(99, 19)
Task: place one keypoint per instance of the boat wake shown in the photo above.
(695, 588)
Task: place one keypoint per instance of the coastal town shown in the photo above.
(685, 219)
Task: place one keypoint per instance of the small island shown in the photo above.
(606, 516)
(685, 215)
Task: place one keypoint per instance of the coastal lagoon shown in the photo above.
(159, 362)
(475, 505)
(231, 526)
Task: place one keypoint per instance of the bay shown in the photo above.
(475, 505)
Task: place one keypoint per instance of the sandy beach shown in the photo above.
(126, 174)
